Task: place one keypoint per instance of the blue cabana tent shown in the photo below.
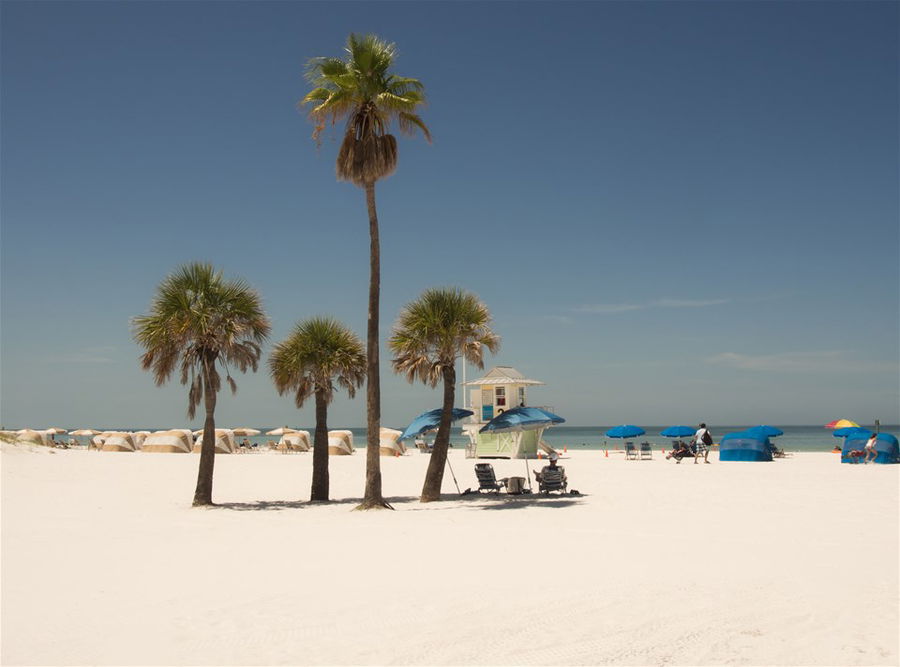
(886, 446)
(745, 446)
(765, 431)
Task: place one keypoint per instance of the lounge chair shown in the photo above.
(631, 451)
(552, 479)
(646, 452)
(487, 480)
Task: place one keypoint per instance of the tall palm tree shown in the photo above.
(431, 332)
(361, 89)
(318, 352)
(201, 324)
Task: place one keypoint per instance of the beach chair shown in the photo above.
(646, 451)
(487, 480)
(552, 480)
(631, 451)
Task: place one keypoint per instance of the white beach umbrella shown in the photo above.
(245, 431)
(55, 430)
(281, 431)
(84, 431)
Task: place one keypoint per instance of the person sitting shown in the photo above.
(554, 457)
(680, 451)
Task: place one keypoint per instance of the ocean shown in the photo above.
(795, 438)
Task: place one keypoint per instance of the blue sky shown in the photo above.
(675, 211)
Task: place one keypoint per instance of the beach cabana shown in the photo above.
(28, 436)
(389, 443)
(340, 443)
(175, 441)
(294, 441)
(224, 441)
(745, 446)
(119, 441)
(886, 445)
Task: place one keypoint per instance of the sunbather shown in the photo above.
(680, 451)
(554, 457)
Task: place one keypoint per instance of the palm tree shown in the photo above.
(362, 90)
(318, 351)
(199, 323)
(431, 332)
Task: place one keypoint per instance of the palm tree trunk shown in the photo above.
(372, 497)
(431, 490)
(320, 480)
(203, 492)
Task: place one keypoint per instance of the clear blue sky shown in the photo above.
(675, 211)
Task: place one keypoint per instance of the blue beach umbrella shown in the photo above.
(847, 431)
(428, 421)
(626, 431)
(765, 431)
(521, 419)
(678, 432)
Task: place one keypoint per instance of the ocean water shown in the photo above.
(795, 438)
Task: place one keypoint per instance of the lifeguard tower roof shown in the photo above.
(503, 375)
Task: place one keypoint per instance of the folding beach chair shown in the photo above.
(646, 452)
(487, 480)
(631, 451)
(552, 480)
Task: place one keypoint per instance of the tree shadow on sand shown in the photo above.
(411, 503)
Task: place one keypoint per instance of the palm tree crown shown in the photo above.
(197, 322)
(318, 352)
(436, 328)
(361, 89)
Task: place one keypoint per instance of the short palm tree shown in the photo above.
(202, 325)
(361, 89)
(319, 352)
(431, 332)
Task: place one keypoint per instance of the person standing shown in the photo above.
(702, 441)
(870, 447)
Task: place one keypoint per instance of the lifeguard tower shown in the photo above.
(502, 388)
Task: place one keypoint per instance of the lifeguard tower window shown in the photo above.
(500, 393)
(521, 395)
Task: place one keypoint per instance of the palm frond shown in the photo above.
(435, 329)
(318, 352)
(199, 320)
(361, 89)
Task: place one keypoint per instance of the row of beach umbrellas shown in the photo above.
(631, 431)
(243, 431)
(515, 419)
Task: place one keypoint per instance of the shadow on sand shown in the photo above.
(411, 503)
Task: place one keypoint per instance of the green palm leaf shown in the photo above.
(361, 91)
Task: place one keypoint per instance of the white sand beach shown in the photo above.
(104, 562)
